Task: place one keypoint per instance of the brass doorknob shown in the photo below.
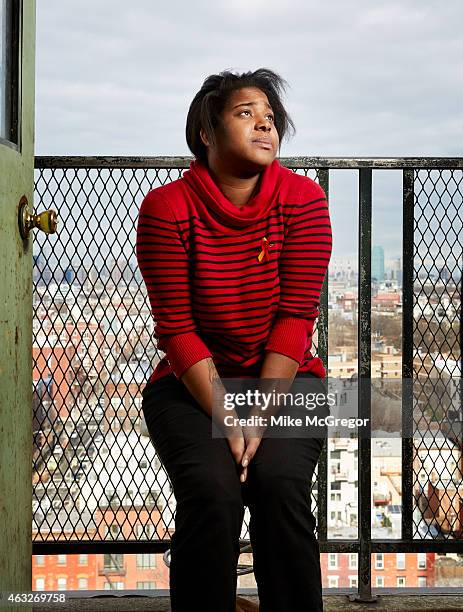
(46, 221)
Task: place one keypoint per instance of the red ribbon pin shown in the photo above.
(264, 254)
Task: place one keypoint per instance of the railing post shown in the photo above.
(364, 387)
(407, 353)
(322, 351)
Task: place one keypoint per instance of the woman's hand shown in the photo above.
(243, 445)
(252, 438)
(237, 444)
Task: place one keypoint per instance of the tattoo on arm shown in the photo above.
(213, 374)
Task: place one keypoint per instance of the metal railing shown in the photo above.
(90, 365)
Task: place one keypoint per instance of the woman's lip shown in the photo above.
(262, 143)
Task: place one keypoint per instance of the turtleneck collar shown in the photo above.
(200, 180)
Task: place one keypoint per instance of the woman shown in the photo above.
(233, 255)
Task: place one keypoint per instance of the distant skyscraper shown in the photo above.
(396, 271)
(69, 276)
(377, 263)
(444, 274)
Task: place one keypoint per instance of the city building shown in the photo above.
(377, 263)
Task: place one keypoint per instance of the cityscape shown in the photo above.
(96, 475)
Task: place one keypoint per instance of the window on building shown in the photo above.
(40, 584)
(422, 581)
(400, 581)
(61, 583)
(112, 498)
(379, 581)
(115, 530)
(151, 498)
(333, 582)
(82, 583)
(146, 560)
(333, 560)
(146, 584)
(116, 585)
(128, 498)
(61, 559)
(421, 560)
(353, 581)
(113, 561)
(145, 531)
(400, 560)
(40, 559)
(353, 561)
(379, 561)
(83, 559)
(137, 403)
(116, 402)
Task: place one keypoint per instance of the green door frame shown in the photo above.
(16, 180)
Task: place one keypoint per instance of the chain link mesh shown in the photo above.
(96, 473)
(438, 247)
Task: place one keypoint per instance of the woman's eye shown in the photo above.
(246, 111)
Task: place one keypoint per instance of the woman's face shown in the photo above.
(246, 119)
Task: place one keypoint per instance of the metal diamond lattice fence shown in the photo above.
(95, 470)
(98, 485)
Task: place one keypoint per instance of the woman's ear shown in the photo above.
(204, 137)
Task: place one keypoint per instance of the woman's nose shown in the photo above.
(263, 123)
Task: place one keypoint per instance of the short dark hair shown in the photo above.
(209, 102)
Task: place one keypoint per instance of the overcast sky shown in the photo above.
(365, 79)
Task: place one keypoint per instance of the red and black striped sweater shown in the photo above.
(232, 283)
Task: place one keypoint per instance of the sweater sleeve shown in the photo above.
(303, 264)
(163, 262)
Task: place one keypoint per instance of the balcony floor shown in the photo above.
(332, 603)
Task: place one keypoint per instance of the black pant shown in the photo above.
(210, 509)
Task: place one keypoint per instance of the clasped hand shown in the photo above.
(244, 443)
